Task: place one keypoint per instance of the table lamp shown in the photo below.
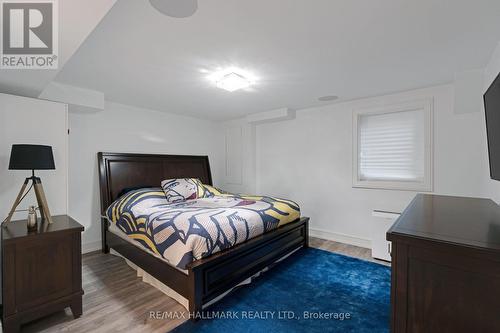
(32, 157)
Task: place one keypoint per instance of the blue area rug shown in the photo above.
(311, 291)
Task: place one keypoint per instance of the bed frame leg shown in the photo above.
(306, 233)
(195, 295)
(104, 231)
(195, 311)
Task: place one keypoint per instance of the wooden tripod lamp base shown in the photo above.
(40, 198)
(32, 157)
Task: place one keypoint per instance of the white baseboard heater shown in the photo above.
(381, 248)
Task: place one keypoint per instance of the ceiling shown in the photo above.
(77, 19)
(299, 50)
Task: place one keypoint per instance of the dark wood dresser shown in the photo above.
(446, 266)
(41, 271)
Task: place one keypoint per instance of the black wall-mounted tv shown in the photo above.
(492, 109)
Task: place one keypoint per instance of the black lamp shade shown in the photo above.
(31, 157)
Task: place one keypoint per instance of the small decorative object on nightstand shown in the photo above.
(42, 270)
(32, 222)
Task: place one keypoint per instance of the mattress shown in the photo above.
(118, 232)
(182, 232)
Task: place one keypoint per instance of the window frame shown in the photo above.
(427, 105)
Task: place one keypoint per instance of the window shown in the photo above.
(393, 147)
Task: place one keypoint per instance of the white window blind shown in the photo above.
(393, 148)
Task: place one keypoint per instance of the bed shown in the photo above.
(202, 280)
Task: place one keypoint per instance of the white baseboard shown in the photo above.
(341, 238)
(91, 247)
(313, 232)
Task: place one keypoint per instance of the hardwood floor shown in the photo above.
(345, 249)
(116, 300)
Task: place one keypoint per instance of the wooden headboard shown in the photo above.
(119, 171)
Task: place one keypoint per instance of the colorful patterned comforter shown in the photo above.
(193, 229)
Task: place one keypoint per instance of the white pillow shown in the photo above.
(181, 189)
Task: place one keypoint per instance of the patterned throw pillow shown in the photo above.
(177, 190)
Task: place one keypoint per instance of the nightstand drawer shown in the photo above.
(43, 270)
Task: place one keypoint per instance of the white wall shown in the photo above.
(33, 121)
(309, 159)
(121, 128)
(492, 68)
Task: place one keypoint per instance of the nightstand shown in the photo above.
(41, 270)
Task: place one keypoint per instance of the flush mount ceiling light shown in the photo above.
(232, 79)
(175, 8)
(232, 82)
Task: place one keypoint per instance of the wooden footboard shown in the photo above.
(212, 276)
